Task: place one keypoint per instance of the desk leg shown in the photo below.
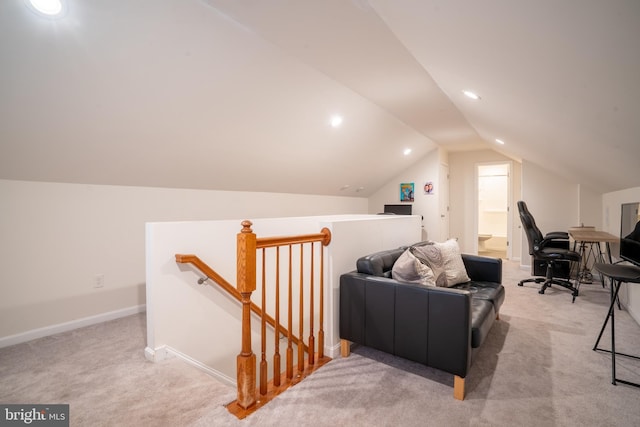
(602, 261)
(584, 274)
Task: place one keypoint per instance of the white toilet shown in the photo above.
(481, 239)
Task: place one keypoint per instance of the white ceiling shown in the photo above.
(238, 94)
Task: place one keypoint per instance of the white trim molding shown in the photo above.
(165, 352)
(69, 326)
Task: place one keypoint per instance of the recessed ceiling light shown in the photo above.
(336, 121)
(359, 189)
(47, 7)
(344, 187)
(499, 141)
(471, 95)
(407, 151)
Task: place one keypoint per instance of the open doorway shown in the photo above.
(492, 214)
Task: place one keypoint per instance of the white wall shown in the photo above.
(57, 237)
(424, 170)
(553, 202)
(590, 207)
(202, 324)
(611, 202)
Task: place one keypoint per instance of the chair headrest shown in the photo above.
(534, 235)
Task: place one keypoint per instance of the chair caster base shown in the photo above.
(534, 280)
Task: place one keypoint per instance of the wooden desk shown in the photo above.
(588, 236)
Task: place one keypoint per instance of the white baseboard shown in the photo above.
(334, 351)
(157, 355)
(166, 352)
(69, 326)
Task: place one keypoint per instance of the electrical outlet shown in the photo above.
(99, 281)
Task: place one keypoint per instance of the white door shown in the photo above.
(444, 202)
(493, 216)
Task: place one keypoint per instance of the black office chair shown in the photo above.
(551, 250)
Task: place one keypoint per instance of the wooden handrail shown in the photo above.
(210, 273)
(266, 242)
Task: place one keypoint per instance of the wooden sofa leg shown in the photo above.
(458, 387)
(497, 316)
(345, 348)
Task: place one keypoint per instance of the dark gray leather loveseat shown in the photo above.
(436, 326)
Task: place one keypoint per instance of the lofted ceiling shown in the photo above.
(238, 94)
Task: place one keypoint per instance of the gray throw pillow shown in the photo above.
(431, 256)
(408, 268)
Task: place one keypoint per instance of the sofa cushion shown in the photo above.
(490, 291)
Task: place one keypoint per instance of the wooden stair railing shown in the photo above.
(211, 274)
(248, 245)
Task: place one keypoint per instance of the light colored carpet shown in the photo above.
(101, 372)
(536, 368)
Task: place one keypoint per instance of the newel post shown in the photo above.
(246, 360)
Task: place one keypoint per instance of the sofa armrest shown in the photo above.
(483, 269)
(447, 326)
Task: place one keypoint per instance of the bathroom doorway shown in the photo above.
(492, 215)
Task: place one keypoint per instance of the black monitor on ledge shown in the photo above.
(397, 209)
(630, 233)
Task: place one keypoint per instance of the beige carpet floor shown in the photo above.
(536, 368)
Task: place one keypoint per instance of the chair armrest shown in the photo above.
(557, 235)
(483, 269)
(550, 242)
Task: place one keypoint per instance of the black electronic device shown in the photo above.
(397, 209)
(630, 233)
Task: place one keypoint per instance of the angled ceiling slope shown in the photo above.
(237, 95)
(560, 81)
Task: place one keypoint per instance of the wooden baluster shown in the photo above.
(312, 343)
(263, 330)
(301, 313)
(325, 242)
(290, 320)
(276, 356)
(246, 277)
(320, 326)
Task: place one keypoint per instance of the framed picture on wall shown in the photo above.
(406, 192)
(428, 187)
